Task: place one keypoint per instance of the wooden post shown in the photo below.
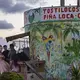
(23, 70)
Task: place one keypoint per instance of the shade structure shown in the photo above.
(10, 38)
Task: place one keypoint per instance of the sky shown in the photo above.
(12, 13)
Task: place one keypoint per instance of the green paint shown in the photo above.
(31, 18)
(60, 58)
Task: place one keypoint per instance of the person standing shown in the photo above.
(6, 53)
(0, 49)
(4, 66)
(12, 54)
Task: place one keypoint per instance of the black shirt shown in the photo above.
(6, 53)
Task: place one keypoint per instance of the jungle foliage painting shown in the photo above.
(54, 42)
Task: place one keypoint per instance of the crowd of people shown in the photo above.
(8, 61)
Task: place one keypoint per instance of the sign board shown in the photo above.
(52, 14)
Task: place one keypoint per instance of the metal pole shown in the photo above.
(19, 45)
(62, 2)
(78, 3)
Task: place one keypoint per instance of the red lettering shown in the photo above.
(48, 11)
(50, 16)
(59, 16)
(63, 16)
(54, 16)
(59, 10)
(69, 9)
(51, 10)
(44, 11)
(73, 9)
(68, 16)
(47, 16)
(72, 16)
(62, 10)
(44, 17)
(77, 9)
(79, 15)
(65, 9)
(55, 9)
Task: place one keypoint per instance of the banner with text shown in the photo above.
(51, 14)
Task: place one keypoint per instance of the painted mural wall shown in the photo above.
(49, 49)
(48, 41)
(58, 42)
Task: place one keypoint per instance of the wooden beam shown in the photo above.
(10, 38)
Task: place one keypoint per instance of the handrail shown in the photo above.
(27, 64)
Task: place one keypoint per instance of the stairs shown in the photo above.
(34, 71)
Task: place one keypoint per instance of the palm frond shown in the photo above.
(73, 32)
(55, 31)
(47, 28)
(66, 33)
(68, 25)
(76, 31)
(58, 26)
(39, 30)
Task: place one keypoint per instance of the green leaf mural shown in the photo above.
(70, 28)
(74, 47)
(37, 10)
(31, 18)
(75, 73)
(60, 61)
